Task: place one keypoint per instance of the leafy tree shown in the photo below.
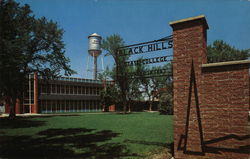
(110, 94)
(220, 51)
(166, 102)
(152, 86)
(114, 91)
(166, 93)
(27, 45)
(134, 93)
(145, 84)
(127, 87)
(112, 44)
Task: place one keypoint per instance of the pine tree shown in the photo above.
(220, 51)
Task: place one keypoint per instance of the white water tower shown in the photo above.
(94, 51)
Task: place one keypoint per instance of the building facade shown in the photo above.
(59, 95)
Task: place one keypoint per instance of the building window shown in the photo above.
(82, 106)
(84, 90)
(67, 89)
(42, 106)
(48, 88)
(62, 89)
(48, 109)
(71, 89)
(58, 89)
(97, 91)
(40, 88)
(94, 90)
(79, 90)
(63, 106)
(52, 88)
(90, 90)
(67, 105)
(43, 88)
(87, 90)
(53, 105)
(75, 90)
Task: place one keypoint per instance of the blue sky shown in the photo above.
(139, 21)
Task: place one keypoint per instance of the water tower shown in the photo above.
(94, 50)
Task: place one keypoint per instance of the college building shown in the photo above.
(63, 94)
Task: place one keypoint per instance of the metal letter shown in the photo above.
(157, 59)
(157, 47)
(150, 47)
(136, 52)
(140, 49)
(162, 45)
(130, 52)
(161, 59)
(170, 44)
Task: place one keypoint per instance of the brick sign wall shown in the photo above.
(211, 101)
(225, 106)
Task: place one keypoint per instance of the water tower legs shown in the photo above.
(95, 68)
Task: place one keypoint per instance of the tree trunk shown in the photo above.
(124, 105)
(150, 105)
(12, 114)
(129, 104)
(103, 106)
(124, 101)
(124, 95)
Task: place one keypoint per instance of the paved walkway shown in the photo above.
(55, 114)
(66, 114)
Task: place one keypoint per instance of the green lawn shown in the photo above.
(101, 136)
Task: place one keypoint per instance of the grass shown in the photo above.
(108, 135)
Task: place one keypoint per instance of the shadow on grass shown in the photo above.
(19, 122)
(161, 144)
(61, 143)
(127, 113)
(25, 122)
(169, 146)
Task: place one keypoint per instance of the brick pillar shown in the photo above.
(35, 106)
(103, 103)
(7, 106)
(189, 53)
(18, 107)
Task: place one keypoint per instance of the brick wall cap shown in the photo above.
(200, 17)
(225, 63)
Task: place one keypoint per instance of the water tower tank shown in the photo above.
(94, 45)
(94, 51)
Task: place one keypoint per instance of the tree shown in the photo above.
(220, 51)
(27, 45)
(145, 83)
(110, 94)
(152, 86)
(112, 44)
(166, 94)
(134, 93)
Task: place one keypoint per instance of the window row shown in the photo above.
(49, 106)
(67, 89)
